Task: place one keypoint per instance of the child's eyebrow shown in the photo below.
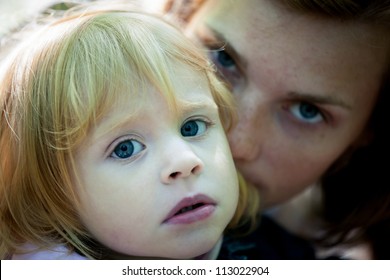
(185, 108)
(107, 126)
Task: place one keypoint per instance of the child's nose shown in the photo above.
(182, 163)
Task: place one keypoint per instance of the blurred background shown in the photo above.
(19, 17)
(14, 13)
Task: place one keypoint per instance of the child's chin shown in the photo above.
(197, 250)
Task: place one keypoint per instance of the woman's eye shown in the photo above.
(227, 67)
(224, 59)
(127, 148)
(193, 128)
(307, 112)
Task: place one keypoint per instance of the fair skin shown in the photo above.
(143, 159)
(301, 83)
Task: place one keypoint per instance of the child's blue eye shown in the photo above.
(127, 148)
(307, 112)
(193, 128)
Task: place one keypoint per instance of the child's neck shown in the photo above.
(210, 255)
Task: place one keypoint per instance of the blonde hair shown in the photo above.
(54, 89)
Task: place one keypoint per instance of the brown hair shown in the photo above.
(356, 192)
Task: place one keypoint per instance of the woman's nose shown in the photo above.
(182, 163)
(245, 138)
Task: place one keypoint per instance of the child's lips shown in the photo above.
(191, 209)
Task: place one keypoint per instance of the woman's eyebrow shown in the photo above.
(320, 99)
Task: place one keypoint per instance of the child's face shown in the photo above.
(138, 171)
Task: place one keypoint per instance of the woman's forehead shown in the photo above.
(263, 38)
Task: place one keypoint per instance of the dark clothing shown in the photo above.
(268, 242)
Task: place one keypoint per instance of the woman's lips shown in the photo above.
(191, 209)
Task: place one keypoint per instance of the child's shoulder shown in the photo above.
(59, 252)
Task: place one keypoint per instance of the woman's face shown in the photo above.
(305, 88)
